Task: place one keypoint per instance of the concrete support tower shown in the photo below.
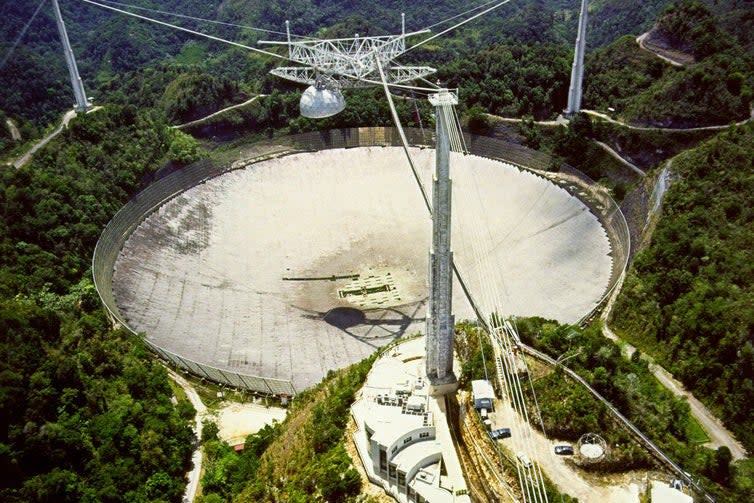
(440, 320)
(577, 72)
(82, 104)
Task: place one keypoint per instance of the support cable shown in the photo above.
(451, 18)
(402, 134)
(193, 18)
(21, 35)
(180, 28)
(456, 26)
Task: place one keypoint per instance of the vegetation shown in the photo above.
(474, 349)
(690, 26)
(54, 209)
(687, 299)
(647, 91)
(85, 413)
(513, 80)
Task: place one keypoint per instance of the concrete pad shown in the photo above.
(298, 265)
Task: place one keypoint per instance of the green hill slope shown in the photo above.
(688, 297)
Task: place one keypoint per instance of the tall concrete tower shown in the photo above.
(82, 104)
(440, 320)
(577, 72)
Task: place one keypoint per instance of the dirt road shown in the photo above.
(196, 458)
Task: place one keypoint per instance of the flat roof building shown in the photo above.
(402, 435)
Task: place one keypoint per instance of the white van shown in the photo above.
(524, 460)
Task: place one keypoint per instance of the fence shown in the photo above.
(143, 204)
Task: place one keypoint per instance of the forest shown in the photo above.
(86, 411)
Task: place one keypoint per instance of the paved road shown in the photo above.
(201, 411)
(680, 473)
(718, 434)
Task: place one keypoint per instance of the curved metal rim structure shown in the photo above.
(128, 218)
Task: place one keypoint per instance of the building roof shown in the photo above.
(482, 389)
(662, 493)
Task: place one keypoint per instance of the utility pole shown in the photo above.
(440, 320)
(577, 72)
(82, 104)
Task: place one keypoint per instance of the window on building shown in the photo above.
(424, 434)
(406, 440)
(383, 459)
(401, 479)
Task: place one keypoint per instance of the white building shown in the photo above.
(402, 436)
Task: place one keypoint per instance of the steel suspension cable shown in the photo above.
(418, 44)
(194, 18)
(187, 30)
(21, 35)
(451, 18)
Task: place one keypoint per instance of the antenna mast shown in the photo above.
(82, 104)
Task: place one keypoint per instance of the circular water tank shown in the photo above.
(321, 102)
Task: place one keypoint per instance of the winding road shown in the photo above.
(641, 41)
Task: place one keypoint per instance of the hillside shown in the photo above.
(687, 298)
(714, 88)
(109, 46)
(85, 411)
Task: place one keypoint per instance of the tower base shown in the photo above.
(446, 386)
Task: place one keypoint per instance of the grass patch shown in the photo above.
(695, 433)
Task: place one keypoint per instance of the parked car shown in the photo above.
(564, 450)
(500, 433)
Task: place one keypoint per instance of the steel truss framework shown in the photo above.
(351, 62)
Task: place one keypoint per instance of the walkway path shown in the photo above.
(219, 112)
(616, 155)
(70, 114)
(201, 411)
